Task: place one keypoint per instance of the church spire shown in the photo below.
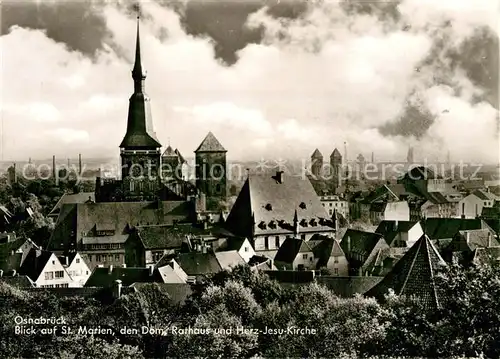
(138, 73)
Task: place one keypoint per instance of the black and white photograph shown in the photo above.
(249, 179)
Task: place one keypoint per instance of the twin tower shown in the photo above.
(334, 173)
(145, 171)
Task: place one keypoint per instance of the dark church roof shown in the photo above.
(210, 144)
(443, 228)
(140, 132)
(414, 275)
(290, 248)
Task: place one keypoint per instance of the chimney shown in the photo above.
(54, 166)
(79, 163)
(110, 269)
(467, 236)
(489, 239)
(117, 289)
(151, 270)
(279, 176)
(1, 273)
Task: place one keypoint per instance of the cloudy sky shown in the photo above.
(269, 78)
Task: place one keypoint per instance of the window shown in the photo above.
(87, 272)
(78, 260)
(310, 259)
(53, 262)
(330, 211)
(304, 256)
(59, 274)
(217, 188)
(246, 248)
(266, 242)
(336, 271)
(97, 257)
(57, 285)
(485, 203)
(117, 257)
(331, 204)
(335, 259)
(277, 241)
(49, 275)
(303, 237)
(65, 285)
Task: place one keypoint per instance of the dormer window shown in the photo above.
(302, 205)
(269, 207)
(303, 223)
(262, 225)
(272, 224)
(313, 222)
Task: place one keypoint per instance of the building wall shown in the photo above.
(79, 271)
(332, 203)
(436, 185)
(48, 276)
(246, 251)
(341, 268)
(149, 162)
(472, 206)
(414, 234)
(152, 256)
(308, 263)
(397, 211)
(208, 179)
(106, 258)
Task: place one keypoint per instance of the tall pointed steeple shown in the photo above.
(295, 225)
(140, 132)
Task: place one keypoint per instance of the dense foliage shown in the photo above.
(467, 325)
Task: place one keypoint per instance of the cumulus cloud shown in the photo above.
(318, 80)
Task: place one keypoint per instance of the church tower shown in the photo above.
(140, 150)
(316, 163)
(211, 169)
(336, 168)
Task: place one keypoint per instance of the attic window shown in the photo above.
(272, 224)
(303, 223)
(269, 207)
(262, 225)
(302, 205)
(313, 222)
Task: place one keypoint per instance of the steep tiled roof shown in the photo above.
(210, 144)
(35, 262)
(18, 281)
(414, 275)
(13, 262)
(77, 220)
(326, 248)
(169, 152)
(316, 154)
(360, 242)
(229, 259)
(163, 237)
(273, 205)
(196, 263)
(104, 277)
(81, 197)
(442, 228)
(348, 286)
(290, 248)
(485, 196)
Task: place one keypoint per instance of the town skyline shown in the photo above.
(78, 103)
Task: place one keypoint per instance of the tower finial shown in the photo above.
(137, 73)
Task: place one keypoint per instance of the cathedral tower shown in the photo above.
(140, 149)
(316, 163)
(211, 168)
(336, 168)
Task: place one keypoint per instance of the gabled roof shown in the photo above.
(360, 242)
(325, 248)
(316, 154)
(104, 277)
(271, 201)
(470, 240)
(177, 152)
(290, 248)
(35, 262)
(482, 255)
(210, 144)
(169, 152)
(485, 196)
(442, 228)
(414, 275)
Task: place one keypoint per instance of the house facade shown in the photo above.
(472, 205)
(46, 271)
(77, 268)
(335, 203)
